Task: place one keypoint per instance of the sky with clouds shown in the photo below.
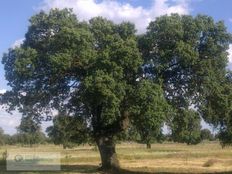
(14, 17)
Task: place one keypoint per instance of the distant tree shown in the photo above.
(8, 139)
(149, 111)
(168, 137)
(1, 131)
(225, 136)
(131, 134)
(206, 134)
(67, 130)
(186, 127)
(29, 131)
(2, 139)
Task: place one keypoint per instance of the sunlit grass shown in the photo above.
(206, 157)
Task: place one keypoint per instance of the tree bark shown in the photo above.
(109, 160)
(64, 146)
(148, 145)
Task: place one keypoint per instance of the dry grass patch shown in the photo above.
(166, 158)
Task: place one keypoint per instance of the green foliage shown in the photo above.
(27, 138)
(149, 110)
(206, 135)
(28, 125)
(3, 137)
(189, 55)
(225, 137)
(217, 109)
(67, 130)
(186, 127)
(85, 69)
(29, 132)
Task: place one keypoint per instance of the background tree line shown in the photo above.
(58, 137)
(28, 133)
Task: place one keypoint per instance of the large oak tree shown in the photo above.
(85, 69)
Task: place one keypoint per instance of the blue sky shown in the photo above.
(14, 15)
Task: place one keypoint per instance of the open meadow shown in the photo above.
(206, 157)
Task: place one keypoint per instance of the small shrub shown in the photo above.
(4, 155)
(3, 159)
(210, 163)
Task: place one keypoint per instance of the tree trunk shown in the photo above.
(64, 146)
(108, 154)
(148, 145)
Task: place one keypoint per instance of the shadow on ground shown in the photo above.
(85, 169)
(123, 171)
(90, 169)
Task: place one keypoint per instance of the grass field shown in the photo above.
(206, 157)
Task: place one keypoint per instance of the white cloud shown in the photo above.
(17, 43)
(205, 125)
(9, 122)
(118, 12)
(230, 53)
(230, 57)
(2, 91)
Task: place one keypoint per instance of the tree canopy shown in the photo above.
(189, 55)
